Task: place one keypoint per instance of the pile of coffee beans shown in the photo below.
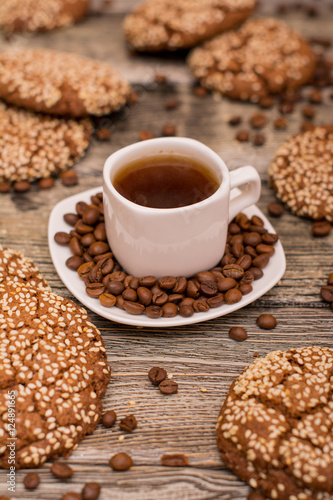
(248, 250)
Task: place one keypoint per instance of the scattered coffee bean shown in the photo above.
(61, 470)
(103, 134)
(91, 491)
(169, 130)
(280, 122)
(128, 423)
(174, 460)
(171, 104)
(69, 178)
(308, 112)
(238, 333)
(258, 120)
(286, 107)
(145, 134)
(275, 209)
(168, 387)
(200, 91)
(242, 136)
(121, 462)
(109, 418)
(321, 228)
(259, 139)
(4, 187)
(21, 186)
(315, 97)
(31, 481)
(326, 293)
(266, 102)
(157, 375)
(235, 120)
(46, 183)
(266, 321)
(71, 495)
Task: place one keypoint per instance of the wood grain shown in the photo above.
(198, 356)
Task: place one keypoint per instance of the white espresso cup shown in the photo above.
(174, 241)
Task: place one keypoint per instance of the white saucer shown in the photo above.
(273, 272)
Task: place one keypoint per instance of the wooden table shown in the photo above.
(199, 356)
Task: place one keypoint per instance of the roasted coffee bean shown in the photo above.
(266, 321)
(245, 288)
(61, 470)
(87, 239)
(21, 186)
(81, 207)
(228, 259)
(75, 247)
(31, 481)
(96, 275)
(145, 134)
(257, 221)
(269, 238)
(98, 247)
(128, 423)
(200, 91)
(315, 97)
(263, 248)
(330, 279)
(71, 219)
(259, 139)
(215, 301)
(109, 418)
(75, 234)
(91, 491)
(133, 307)
(250, 251)
(233, 271)
(175, 298)
(99, 232)
(130, 294)
(117, 276)
(156, 375)
(238, 333)
(120, 462)
(235, 239)
(94, 290)
(180, 286)
(103, 256)
(144, 295)
(244, 262)
(148, 281)
(205, 276)
(252, 238)
(209, 288)
(286, 107)
(266, 102)
(82, 228)
(106, 265)
(71, 495)
(232, 296)
(235, 120)
(168, 387)
(225, 284)
(185, 311)
(134, 283)
(120, 302)
(321, 229)
(174, 460)
(247, 278)
(326, 293)
(257, 229)
(200, 305)
(154, 312)
(69, 178)
(192, 290)
(242, 136)
(169, 130)
(46, 183)
(107, 299)
(84, 270)
(257, 272)
(280, 123)
(160, 298)
(261, 260)
(91, 216)
(171, 104)
(167, 282)
(308, 112)
(74, 262)
(258, 120)
(169, 310)
(234, 228)
(62, 238)
(237, 249)
(115, 287)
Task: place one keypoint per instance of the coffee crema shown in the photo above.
(165, 181)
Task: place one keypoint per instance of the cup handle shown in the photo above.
(250, 194)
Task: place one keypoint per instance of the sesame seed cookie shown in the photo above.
(264, 56)
(35, 146)
(301, 173)
(20, 269)
(54, 373)
(60, 83)
(40, 15)
(275, 426)
(162, 25)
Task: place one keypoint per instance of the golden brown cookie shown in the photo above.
(54, 371)
(35, 146)
(264, 56)
(60, 83)
(275, 429)
(157, 25)
(40, 15)
(301, 173)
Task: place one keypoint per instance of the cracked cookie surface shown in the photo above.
(275, 429)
